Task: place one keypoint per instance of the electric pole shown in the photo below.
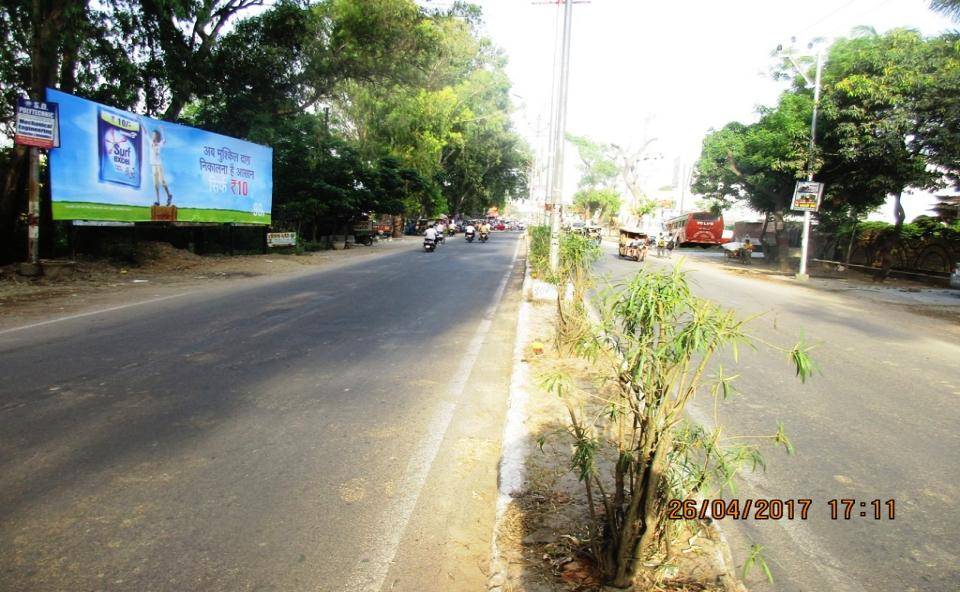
(559, 132)
(805, 243)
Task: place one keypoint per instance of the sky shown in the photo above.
(670, 70)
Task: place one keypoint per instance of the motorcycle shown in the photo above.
(483, 237)
(469, 237)
(429, 245)
(439, 238)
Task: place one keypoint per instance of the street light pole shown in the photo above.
(805, 244)
(559, 131)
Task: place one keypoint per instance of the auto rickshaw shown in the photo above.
(632, 243)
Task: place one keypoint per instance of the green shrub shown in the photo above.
(656, 348)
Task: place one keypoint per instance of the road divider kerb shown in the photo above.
(513, 447)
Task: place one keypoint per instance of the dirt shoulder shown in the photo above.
(162, 269)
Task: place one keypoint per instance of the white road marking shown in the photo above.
(92, 313)
(381, 546)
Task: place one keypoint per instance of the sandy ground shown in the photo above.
(103, 282)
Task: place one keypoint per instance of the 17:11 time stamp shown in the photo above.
(877, 509)
(777, 509)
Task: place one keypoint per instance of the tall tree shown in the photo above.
(601, 204)
(185, 34)
(759, 163)
(597, 165)
(884, 99)
(949, 8)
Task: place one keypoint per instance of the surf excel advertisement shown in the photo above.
(115, 165)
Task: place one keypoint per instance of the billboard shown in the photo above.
(118, 166)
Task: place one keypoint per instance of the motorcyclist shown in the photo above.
(430, 234)
(470, 230)
(440, 228)
(485, 228)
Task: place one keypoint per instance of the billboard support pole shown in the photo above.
(33, 212)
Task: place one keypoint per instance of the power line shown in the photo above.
(825, 17)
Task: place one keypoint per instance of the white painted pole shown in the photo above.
(560, 125)
(805, 244)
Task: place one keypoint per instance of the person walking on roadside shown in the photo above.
(746, 252)
(670, 245)
(661, 245)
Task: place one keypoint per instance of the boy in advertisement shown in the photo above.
(156, 144)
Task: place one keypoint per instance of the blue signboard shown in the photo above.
(116, 165)
(36, 124)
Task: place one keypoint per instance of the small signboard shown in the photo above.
(806, 196)
(37, 124)
(281, 239)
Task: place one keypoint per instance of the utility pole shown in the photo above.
(33, 210)
(551, 125)
(805, 244)
(815, 83)
(559, 131)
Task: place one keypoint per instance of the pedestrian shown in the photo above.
(661, 245)
(670, 244)
(746, 252)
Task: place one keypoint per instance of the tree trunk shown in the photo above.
(11, 204)
(783, 242)
(47, 22)
(655, 494)
(891, 242)
(178, 101)
(763, 233)
(853, 238)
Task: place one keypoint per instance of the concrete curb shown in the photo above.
(513, 448)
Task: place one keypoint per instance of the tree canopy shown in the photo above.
(889, 120)
(370, 105)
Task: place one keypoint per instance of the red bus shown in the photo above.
(696, 228)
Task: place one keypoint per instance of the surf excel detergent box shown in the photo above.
(120, 141)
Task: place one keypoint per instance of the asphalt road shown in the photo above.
(880, 423)
(294, 433)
